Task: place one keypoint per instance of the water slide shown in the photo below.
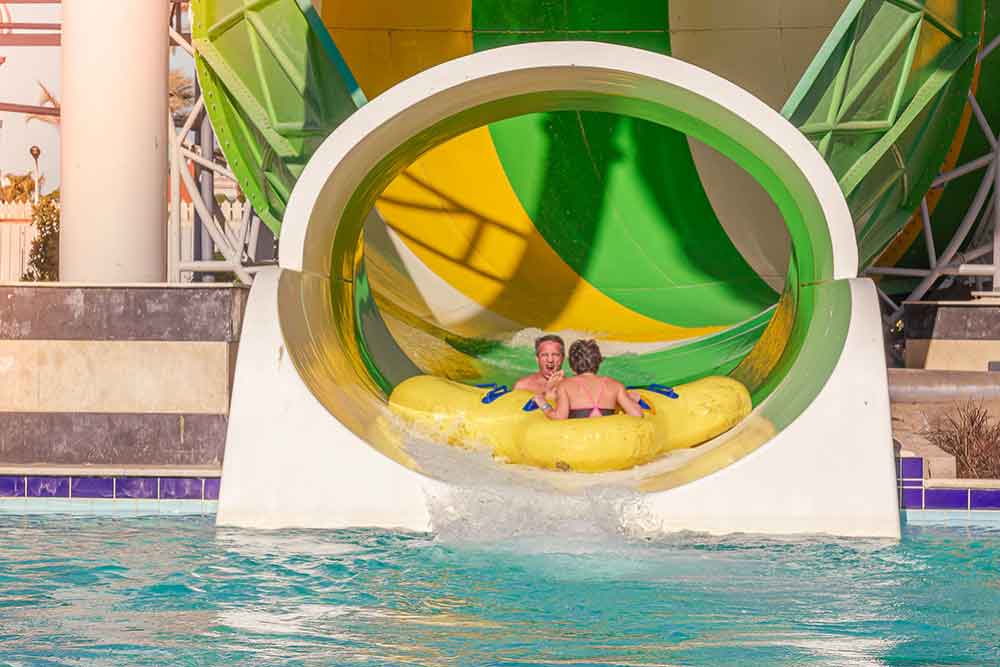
(586, 184)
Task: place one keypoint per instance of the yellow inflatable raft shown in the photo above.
(454, 413)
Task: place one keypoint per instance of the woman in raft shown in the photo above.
(587, 394)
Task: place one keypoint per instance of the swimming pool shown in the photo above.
(175, 590)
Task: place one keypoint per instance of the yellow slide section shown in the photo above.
(454, 208)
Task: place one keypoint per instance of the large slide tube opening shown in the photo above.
(335, 335)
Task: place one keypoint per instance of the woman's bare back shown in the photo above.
(589, 391)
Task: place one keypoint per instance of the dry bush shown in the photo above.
(972, 436)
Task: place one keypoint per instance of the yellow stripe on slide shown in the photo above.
(454, 207)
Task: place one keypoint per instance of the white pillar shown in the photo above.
(113, 138)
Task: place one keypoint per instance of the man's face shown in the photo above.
(550, 357)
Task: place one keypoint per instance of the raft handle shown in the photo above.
(530, 406)
(495, 393)
(663, 390)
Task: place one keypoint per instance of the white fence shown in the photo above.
(15, 247)
(232, 212)
(15, 212)
(17, 233)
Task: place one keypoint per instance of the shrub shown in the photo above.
(43, 262)
(972, 436)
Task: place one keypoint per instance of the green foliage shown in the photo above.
(43, 262)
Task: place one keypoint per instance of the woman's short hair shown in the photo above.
(585, 356)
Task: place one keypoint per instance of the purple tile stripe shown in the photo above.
(181, 488)
(11, 486)
(984, 499)
(48, 487)
(946, 499)
(912, 499)
(135, 487)
(911, 468)
(93, 487)
(138, 488)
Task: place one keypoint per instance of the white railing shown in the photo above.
(15, 247)
(17, 233)
(14, 212)
(233, 214)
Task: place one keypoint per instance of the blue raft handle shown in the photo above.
(642, 402)
(530, 406)
(488, 384)
(661, 389)
(495, 393)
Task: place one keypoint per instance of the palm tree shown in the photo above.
(47, 99)
(181, 92)
(19, 188)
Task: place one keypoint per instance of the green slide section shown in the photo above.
(956, 197)
(882, 101)
(607, 190)
(275, 87)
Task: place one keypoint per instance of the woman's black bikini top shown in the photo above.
(582, 413)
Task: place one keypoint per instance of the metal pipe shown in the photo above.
(925, 218)
(174, 221)
(996, 217)
(980, 270)
(984, 125)
(885, 297)
(988, 49)
(223, 265)
(181, 42)
(211, 227)
(913, 385)
(966, 168)
(956, 242)
(208, 164)
(896, 271)
(189, 122)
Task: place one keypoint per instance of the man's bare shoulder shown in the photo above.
(530, 382)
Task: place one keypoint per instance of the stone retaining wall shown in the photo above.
(116, 375)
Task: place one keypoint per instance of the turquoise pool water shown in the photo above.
(176, 591)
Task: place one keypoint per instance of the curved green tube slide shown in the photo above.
(607, 214)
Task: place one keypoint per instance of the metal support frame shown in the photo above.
(983, 214)
(237, 247)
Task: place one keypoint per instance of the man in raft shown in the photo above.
(550, 351)
(588, 394)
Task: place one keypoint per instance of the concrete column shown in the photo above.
(114, 141)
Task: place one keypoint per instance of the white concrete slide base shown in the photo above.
(289, 462)
(830, 471)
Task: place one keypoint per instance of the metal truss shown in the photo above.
(981, 221)
(236, 246)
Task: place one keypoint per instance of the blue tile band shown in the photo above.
(911, 467)
(87, 487)
(946, 499)
(915, 497)
(984, 499)
(92, 487)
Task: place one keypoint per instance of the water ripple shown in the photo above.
(177, 591)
